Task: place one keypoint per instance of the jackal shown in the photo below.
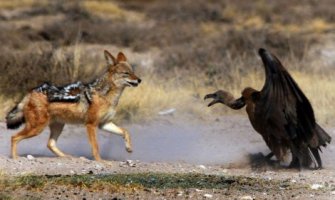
(91, 104)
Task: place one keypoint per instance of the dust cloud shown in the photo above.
(228, 141)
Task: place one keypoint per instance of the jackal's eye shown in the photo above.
(126, 73)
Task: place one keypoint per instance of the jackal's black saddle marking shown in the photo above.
(69, 93)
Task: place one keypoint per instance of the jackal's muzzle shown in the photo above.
(134, 82)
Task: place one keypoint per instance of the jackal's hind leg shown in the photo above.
(112, 128)
(55, 131)
(27, 132)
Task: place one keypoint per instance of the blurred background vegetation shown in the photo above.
(181, 49)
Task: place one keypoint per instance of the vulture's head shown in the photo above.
(226, 98)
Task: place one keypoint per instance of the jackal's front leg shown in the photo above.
(92, 136)
(111, 127)
(55, 131)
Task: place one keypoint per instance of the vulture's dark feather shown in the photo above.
(282, 92)
(281, 114)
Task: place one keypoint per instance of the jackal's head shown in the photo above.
(122, 73)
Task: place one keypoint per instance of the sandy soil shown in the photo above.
(226, 147)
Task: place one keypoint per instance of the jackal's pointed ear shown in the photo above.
(110, 58)
(121, 57)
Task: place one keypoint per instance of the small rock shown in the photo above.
(98, 167)
(197, 190)
(316, 186)
(167, 112)
(225, 171)
(83, 158)
(293, 181)
(131, 163)
(333, 192)
(127, 163)
(180, 193)
(30, 157)
(72, 172)
(247, 198)
(202, 166)
(208, 195)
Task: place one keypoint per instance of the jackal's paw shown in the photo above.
(67, 156)
(106, 163)
(129, 149)
(15, 157)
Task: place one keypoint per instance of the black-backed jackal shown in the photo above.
(92, 104)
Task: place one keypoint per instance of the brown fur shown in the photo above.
(106, 91)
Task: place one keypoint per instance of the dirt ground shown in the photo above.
(222, 147)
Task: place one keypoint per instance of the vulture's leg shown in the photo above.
(269, 156)
(296, 161)
(317, 157)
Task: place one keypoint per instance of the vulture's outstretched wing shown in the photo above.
(282, 103)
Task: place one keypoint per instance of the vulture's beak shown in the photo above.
(215, 100)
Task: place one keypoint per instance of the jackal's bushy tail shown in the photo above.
(15, 117)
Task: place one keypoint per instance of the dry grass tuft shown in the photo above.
(110, 9)
(104, 7)
(14, 4)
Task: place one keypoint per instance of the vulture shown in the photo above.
(281, 114)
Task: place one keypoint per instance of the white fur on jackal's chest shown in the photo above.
(109, 115)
